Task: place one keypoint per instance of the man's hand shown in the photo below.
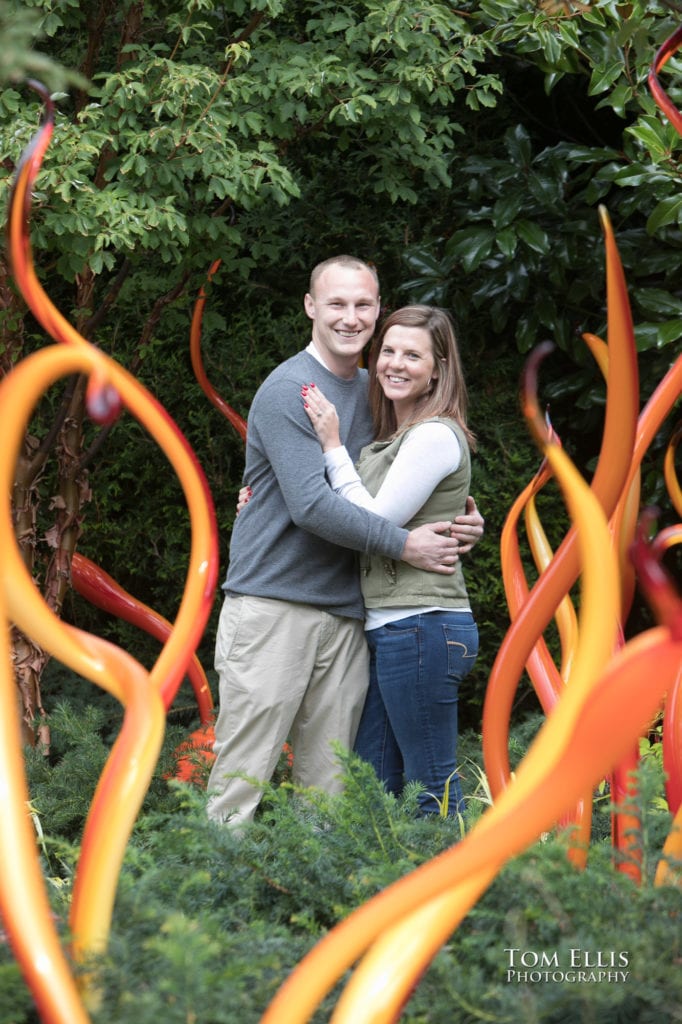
(245, 494)
(432, 548)
(467, 529)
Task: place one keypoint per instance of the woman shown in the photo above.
(422, 636)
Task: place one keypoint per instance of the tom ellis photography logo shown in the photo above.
(575, 966)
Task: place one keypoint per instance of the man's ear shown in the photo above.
(309, 305)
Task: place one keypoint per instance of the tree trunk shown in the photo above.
(53, 574)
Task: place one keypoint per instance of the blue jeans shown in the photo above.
(408, 729)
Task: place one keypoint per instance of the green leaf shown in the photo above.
(533, 235)
(668, 211)
(593, 14)
(551, 44)
(635, 175)
(604, 76)
(517, 142)
(551, 79)
(339, 23)
(569, 33)
(653, 135)
(657, 335)
(10, 100)
(618, 99)
(470, 246)
(422, 261)
(506, 241)
(507, 209)
(669, 332)
(658, 301)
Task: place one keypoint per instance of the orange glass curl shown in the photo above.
(566, 619)
(667, 393)
(145, 695)
(663, 55)
(91, 582)
(671, 479)
(575, 748)
(546, 679)
(615, 458)
(233, 417)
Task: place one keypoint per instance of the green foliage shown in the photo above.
(65, 782)
(208, 924)
(516, 248)
(16, 1004)
(464, 151)
(198, 119)
(19, 25)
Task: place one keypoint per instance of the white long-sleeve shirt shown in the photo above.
(428, 454)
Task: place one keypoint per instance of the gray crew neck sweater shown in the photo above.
(296, 539)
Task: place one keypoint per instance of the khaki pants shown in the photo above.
(287, 672)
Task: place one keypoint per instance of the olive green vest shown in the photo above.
(387, 583)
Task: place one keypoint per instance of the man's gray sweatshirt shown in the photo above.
(296, 540)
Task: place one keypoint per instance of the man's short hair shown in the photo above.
(350, 262)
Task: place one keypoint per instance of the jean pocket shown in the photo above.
(462, 647)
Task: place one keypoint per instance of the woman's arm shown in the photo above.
(394, 504)
(428, 454)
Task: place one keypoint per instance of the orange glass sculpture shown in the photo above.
(24, 906)
(394, 936)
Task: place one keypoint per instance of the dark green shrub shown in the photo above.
(207, 925)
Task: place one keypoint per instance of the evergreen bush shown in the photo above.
(207, 925)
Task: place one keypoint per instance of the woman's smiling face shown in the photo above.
(406, 367)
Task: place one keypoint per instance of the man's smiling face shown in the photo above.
(344, 309)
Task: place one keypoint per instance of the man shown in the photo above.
(290, 651)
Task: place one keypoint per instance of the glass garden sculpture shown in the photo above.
(391, 939)
(144, 694)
